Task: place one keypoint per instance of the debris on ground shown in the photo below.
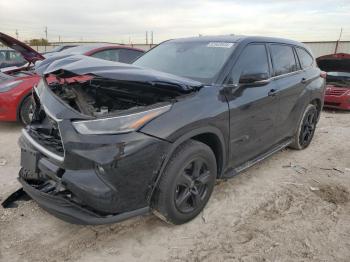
(314, 188)
(3, 161)
(297, 168)
(340, 171)
(316, 180)
(332, 168)
(292, 183)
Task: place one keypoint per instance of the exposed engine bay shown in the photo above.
(101, 96)
(340, 79)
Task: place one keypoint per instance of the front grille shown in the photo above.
(48, 135)
(335, 92)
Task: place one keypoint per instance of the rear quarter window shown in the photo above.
(283, 59)
(306, 60)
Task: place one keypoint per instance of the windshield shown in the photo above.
(200, 61)
(61, 48)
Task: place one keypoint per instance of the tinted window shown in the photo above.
(14, 56)
(305, 58)
(198, 60)
(128, 56)
(2, 55)
(252, 60)
(110, 55)
(283, 59)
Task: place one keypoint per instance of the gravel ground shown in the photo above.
(294, 206)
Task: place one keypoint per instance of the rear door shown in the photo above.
(290, 82)
(253, 109)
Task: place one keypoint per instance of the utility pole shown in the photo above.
(45, 32)
(45, 36)
(146, 37)
(17, 34)
(151, 37)
(337, 43)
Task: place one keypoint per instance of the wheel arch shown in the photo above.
(318, 103)
(210, 136)
(20, 104)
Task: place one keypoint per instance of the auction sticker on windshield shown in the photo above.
(220, 44)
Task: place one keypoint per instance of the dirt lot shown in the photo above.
(294, 206)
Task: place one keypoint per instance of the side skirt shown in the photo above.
(235, 171)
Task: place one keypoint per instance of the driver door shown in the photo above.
(253, 107)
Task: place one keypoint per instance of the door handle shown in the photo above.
(272, 92)
(303, 80)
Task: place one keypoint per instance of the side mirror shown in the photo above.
(254, 78)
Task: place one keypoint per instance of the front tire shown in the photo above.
(306, 129)
(26, 111)
(186, 184)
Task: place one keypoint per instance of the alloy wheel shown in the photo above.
(308, 128)
(192, 185)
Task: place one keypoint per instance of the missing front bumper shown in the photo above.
(73, 213)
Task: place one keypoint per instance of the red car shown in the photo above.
(337, 67)
(16, 84)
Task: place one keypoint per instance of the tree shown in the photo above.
(39, 42)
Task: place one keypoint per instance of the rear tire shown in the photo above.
(306, 128)
(26, 111)
(186, 184)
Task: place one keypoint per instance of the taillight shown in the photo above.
(323, 74)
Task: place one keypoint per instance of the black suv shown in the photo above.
(109, 141)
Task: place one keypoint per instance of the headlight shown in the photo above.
(8, 85)
(119, 124)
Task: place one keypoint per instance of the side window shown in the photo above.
(253, 59)
(128, 56)
(306, 60)
(2, 55)
(14, 56)
(110, 55)
(283, 59)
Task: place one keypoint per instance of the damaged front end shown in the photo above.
(83, 157)
(337, 93)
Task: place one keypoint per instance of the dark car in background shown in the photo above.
(11, 58)
(16, 84)
(337, 67)
(155, 135)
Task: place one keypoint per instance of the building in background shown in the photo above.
(322, 48)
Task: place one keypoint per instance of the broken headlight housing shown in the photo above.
(118, 124)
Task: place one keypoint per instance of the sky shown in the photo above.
(127, 21)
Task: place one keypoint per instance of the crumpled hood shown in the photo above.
(334, 63)
(27, 52)
(5, 77)
(69, 66)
